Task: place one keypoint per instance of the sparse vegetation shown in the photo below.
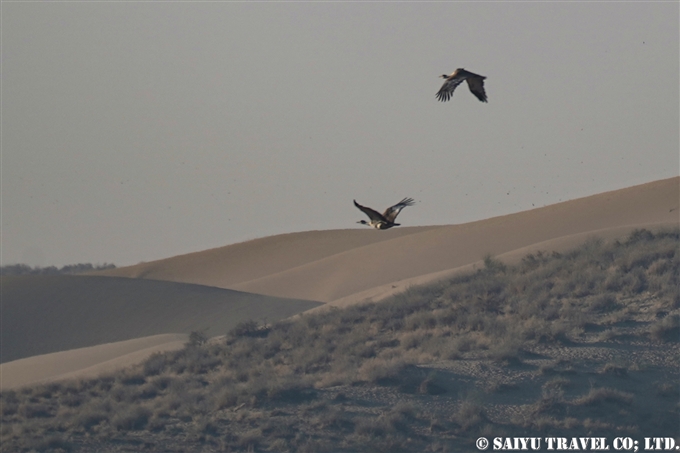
(496, 352)
(24, 269)
(197, 338)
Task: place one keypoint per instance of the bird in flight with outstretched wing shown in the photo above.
(386, 219)
(475, 83)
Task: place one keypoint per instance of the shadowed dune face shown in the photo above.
(561, 344)
(46, 314)
(322, 265)
(89, 362)
(43, 314)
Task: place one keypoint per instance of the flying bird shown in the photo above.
(385, 220)
(475, 83)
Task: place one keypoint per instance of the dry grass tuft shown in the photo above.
(604, 395)
(365, 378)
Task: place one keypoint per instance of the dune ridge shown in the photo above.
(330, 265)
(559, 245)
(339, 267)
(245, 261)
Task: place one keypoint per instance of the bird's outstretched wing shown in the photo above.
(392, 212)
(446, 91)
(476, 84)
(373, 215)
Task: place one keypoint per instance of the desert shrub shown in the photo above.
(36, 410)
(530, 262)
(197, 338)
(555, 384)
(90, 417)
(420, 320)
(160, 383)
(493, 265)
(507, 353)
(250, 440)
(24, 269)
(470, 414)
(195, 360)
(614, 369)
(604, 394)
(667, 389)
(155, 364)
(71, 400)
(429, 386)
(131, 378)
(206, 426)
(550, 404)
(48, 390)
(247, 329)
(131, 418)
(639, 235)
(381, 371)
(9, 408)
(290, 391)
(667, 329)
(635, 281)
(335, 418)
(602, 303)
(372, 428)
(279, 375)
(53, 442)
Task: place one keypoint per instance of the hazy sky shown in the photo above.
(137, 131)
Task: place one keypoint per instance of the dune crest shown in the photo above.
(158, 300)
(331, 265)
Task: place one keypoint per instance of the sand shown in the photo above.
(336, 267)
(331, 265)
(86, 362)
(56, 327)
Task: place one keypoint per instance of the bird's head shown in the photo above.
(443, 76)
(363, 222)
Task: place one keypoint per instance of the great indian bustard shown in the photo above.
(475, 83)
(385, 220)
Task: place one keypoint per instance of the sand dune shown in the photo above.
(85, 362)
(560, 245)
(233, 264)
(59, 327)
(339, 267)
(43, 314)
(332, 265)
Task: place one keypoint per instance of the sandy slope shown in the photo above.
(43, 314)
(54, 327)
(237, 263)
(560, 245)
(85, 362)
(336, 264)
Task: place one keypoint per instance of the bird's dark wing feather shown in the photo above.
(392, 212)
(476, 85)
(373, 215)
(445, 92)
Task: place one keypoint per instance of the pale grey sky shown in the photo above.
(138, 131)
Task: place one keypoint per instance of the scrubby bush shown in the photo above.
(295, 374)
(23, 269)
(667, 329)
